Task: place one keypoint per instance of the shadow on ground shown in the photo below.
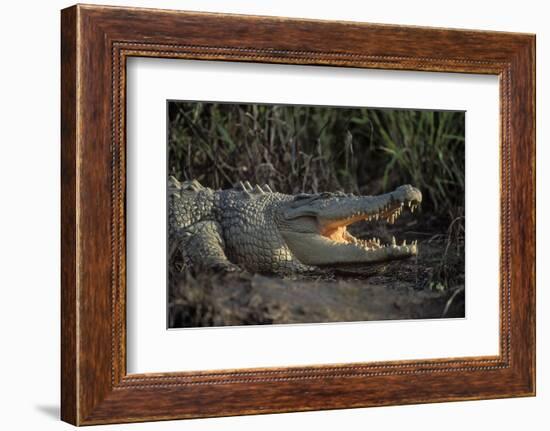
(52, 411)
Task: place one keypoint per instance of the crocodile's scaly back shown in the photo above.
(251, 233)
(240, 221)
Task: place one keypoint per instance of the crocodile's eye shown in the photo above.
(303, 199)
(328, 195)
(307, 197)
(302, 196)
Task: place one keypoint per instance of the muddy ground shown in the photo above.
(430, 285)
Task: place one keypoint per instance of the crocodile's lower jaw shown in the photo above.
(371, 245)
(317, 250)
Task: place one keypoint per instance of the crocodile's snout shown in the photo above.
(326, 240)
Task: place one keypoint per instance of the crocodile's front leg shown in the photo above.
(202, 246)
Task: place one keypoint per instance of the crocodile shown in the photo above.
(255, 229)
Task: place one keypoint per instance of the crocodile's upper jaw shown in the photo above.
(317, 232)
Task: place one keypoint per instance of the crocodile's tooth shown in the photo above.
(404, 242)
(393, 240)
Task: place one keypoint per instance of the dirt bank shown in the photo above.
(408, 289)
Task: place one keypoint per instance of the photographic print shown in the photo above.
(217, 186)
(286, 214)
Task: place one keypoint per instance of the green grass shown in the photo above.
(427, 148)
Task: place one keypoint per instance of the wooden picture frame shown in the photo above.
(95, 43)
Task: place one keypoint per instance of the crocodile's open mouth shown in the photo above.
(337, 232)
(315, 227)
